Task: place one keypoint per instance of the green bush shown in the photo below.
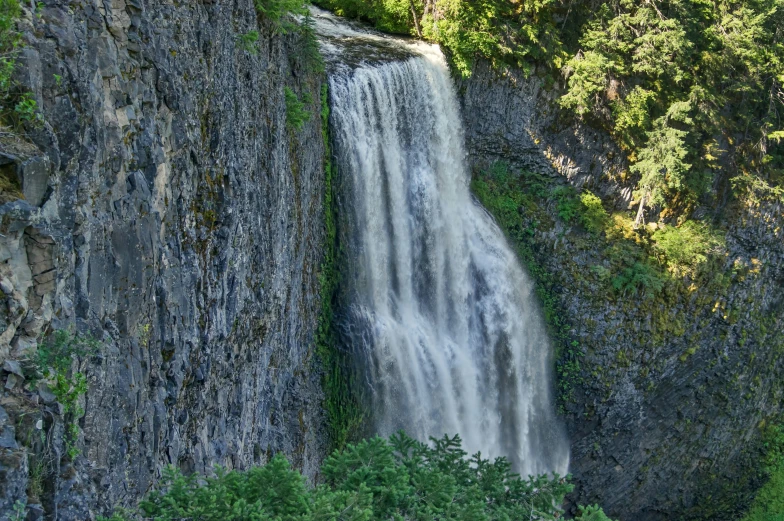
(16, 106)
(593, 215)
(279, 12)
(688, 245)
(296, 113)
(53, 362)
(768, 504)
(309, 46)
(640, 278)
(248, 42)
(566, 202)
(375, 479)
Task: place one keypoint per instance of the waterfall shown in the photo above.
(440, 309)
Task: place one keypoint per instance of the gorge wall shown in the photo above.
(671, 393)
(171, 214)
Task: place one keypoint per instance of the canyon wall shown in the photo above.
(171, 214)
(671, 394)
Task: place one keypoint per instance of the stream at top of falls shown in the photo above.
(440, 310)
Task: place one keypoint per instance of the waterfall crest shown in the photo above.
(440, 308)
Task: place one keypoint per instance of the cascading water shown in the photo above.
(440, 307)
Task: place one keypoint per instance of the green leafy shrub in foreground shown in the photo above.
(376, 479)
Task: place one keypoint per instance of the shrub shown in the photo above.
(566, 203)
(399, 478)
(16, 106)
(593, 216)
(309, 46)
(296, 113)
(768, 504)
(278, 12)
(687, 246)
(53, 362)
(638, 278)
(248, 42)
(592, 513)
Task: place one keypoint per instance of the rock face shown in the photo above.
(172, 215)
(672, 392)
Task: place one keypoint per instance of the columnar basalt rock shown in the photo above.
(171, 214)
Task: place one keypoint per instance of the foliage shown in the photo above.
(768, 504)
(344, 413)
(506, 33)
(567, 203)
(56, 354)
(593, 215)
(279, 12)
(399, 478)
(691, 89)
(639, 278)
(16, 106)
(309, 46)
(296, 113)
(687, 246)
(592, 513)
(248, 42)
(53, 362)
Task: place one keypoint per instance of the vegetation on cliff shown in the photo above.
(691, 90)
(375, 479)
(16, 105)
(768, 504)
(689, 294)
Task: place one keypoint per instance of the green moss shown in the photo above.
(341, 401)
(511, 200)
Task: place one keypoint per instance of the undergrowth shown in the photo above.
(768, 504)
(375, 479)
(16, 105)
(53, 364)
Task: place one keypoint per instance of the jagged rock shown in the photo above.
(6, 287)
(12, 366)
(35, 179)
(46, 394)
(178, 214)
(12, 381)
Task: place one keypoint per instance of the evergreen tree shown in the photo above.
(376, 479)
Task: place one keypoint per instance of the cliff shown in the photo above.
(666, 393)
(172, 215)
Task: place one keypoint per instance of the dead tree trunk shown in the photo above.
(414, 16)
(640, 211)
